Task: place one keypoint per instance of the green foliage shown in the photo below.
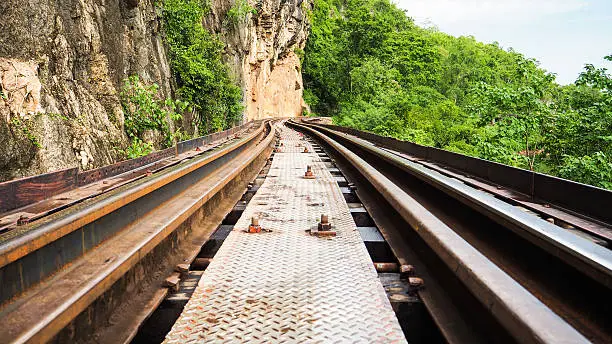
(145, 110)
(300, 53)
(52, 115)
(138, 148)
(201, 75)
(593, 169)
(56, 116)
(24, 127)
(370, 67)
(239, 12)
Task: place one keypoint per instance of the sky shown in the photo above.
(563, 35)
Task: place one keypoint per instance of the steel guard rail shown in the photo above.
(521, 313)
(584, 199)
(47, 245)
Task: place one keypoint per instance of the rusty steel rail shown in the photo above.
(593, 260)
(60, 266)
(565, 202)
(510, 297)
(31, 198)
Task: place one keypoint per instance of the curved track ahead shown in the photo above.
(496, 269)
(539, 282)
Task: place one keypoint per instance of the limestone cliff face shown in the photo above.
(262, 50)
(62, 64)
(61, 68)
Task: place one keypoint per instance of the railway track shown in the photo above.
(540, 282)
(66, 275)
(499, 265)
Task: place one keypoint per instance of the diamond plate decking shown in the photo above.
(285, 285)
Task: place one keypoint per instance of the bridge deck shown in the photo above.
(285, 285)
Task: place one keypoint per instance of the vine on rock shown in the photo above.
(203, 79)
(145, 110)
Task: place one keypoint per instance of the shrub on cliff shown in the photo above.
(145, 110)
(195, 55)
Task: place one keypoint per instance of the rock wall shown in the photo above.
(61, 68)
(262, 50)
(62, 64)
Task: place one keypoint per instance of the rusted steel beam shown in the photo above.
(18, 193)
(91, 176)
(95, 182)
(588, 225)
(593, 260)
(535, 186)
(22, 192)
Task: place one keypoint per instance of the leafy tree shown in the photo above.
(595, 170)
(367, 64)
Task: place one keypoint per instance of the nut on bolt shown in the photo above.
(309, 174)
(416, 282)
(324, 225)
(406, 270)
(323, 229)
(305, 149)
(254, 227)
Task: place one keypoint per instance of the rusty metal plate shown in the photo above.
(285, 285)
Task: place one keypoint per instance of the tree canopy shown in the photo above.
(370, 67)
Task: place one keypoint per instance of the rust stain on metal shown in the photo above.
(47, 193)
(23, 220)
(416, 282)
(284, 300)
(406, 270)
(23, 248)
(386, 267)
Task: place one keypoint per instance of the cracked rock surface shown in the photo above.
(62, 64)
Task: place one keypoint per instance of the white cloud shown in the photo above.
(446, 12)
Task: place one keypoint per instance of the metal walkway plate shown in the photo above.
(286, 286)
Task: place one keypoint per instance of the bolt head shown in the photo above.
(406, 269)
(416, 282)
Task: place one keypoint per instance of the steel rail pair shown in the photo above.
(60, 267)
(506, 294)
